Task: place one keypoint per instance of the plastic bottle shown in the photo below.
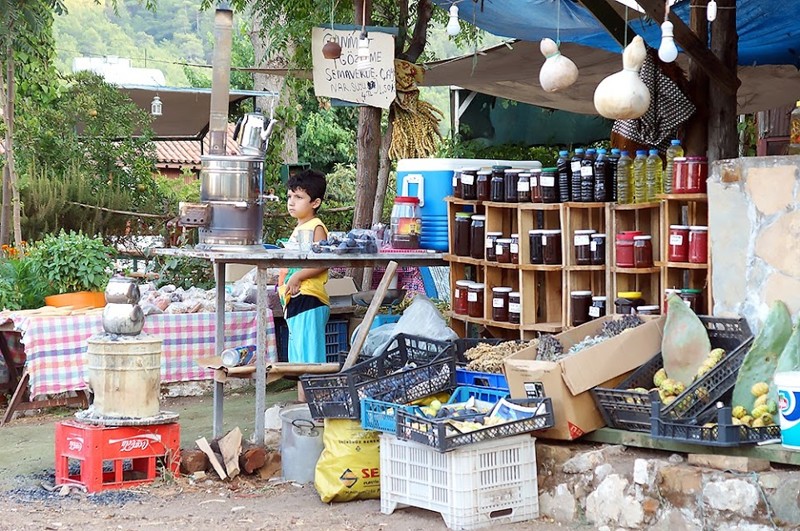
(564, 175)
(611, 175)
(640, 177)
(655, 185)
(674, 150)
(624, 179)
(575, 176)
(794, 131)
(601, 171)
(587, 177)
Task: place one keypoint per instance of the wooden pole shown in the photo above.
(696, 137)
(723, 140)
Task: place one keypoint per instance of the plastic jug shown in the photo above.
(624, 179)
(653, 171)
(301, 443)
(640, 177)
(674, 150)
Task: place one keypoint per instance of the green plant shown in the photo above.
(182, 272)
(71, 261)
(20, 288)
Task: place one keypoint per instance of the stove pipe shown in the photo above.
(220, 81)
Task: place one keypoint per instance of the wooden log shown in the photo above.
(252, 458)
(193, 460)
(272, 466)
(231, 446)
(203, 444)
(696, 137)
(611, 20)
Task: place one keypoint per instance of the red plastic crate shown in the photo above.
(115, 457)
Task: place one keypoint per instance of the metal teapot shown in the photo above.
(123, 319)
(252, 132)
(122, 290)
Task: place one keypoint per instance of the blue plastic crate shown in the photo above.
(481, 379)
(378, 415)
(384, 318)
(484, 394)
(336, 337)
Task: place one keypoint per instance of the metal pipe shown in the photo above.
(220, 81)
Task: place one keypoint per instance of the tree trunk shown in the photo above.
(723, 139)
(10, 163)
(5, 210)
(261, 47)
(384, 166)
(696, 138)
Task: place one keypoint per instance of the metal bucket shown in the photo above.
(125, 376)
(301, 443)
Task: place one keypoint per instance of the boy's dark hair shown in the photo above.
(311, 181)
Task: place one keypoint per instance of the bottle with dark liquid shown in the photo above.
(564, 176)
(587, 177)
(601, 177)
(575, 175)
(611, 175)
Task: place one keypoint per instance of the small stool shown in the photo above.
(102, 452)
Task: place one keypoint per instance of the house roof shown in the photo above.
(187, 153)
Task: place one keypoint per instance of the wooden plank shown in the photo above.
(696, 129)
(723, 137)
(202, 443)
(230, 446)
(611, 21)
(695, 48)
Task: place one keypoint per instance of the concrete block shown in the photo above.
(729, 229)
(779, 244)
(729, 462)
(771, 188)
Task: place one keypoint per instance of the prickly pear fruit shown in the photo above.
(738, 412)
(760, 388)
(659, 377)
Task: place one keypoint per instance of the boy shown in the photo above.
(302, 292)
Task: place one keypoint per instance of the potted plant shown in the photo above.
(76, 268)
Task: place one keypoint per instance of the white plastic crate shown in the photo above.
(480, 485)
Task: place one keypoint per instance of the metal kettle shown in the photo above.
(251, 133)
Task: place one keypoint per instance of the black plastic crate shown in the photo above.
(725, 433)
(384, 377)
(628, 410)
(437, 434)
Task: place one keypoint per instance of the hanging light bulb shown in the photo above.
(453, 25)
(155, 106)
(667, 52)
(711, 11)
(362, 61)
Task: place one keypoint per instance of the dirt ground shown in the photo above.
(26, 463)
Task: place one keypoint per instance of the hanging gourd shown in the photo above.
(623, 96)
(558, 72)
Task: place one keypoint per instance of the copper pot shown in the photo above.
(331, 50)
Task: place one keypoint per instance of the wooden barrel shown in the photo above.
(125, 376)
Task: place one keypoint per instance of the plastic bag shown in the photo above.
(349, 466)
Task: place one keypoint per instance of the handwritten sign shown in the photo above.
(342, 79)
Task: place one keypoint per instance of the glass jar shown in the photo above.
(536, 249)
(460, 305)
(583, 248)
(405, 222)
(627, 301)
(581, 302)
(597, 247)
(551, 247)
(482, 184)
(511, 179)
(548, 184)
(477, 236)
(643, 251)
(698, 244)
(689, 175)
(667, 294)
(524, 188)
(500, 303)
(536, 186)
(503, 250)
(491, 243)
(515, 248)
(497, 190)
(648, 310)
(475, 300)
(598, 307)
(468, 188)
(693, 299)
(457, 184)
(678, 243)
(514, 308)
(624, 247)
(461, 234)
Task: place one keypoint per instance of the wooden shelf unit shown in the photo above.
(594, 278)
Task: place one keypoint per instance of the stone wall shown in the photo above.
(754, 227)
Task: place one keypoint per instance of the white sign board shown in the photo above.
(341, 79)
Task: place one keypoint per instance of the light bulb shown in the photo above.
(667, 52)
(711, 11)
(453, 25)
(363, 53)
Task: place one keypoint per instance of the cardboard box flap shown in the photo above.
(337, 287)
(620, 354)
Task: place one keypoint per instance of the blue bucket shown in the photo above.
(788, 384)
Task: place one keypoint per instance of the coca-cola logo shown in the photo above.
(75, 444)
(138, 442)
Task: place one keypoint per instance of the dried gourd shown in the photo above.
(685, 344)
(558, 72)
(623, 96)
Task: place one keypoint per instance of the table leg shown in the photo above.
(261, 355)
(219, 345)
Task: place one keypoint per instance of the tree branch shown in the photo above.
(402, 28)
(419, 37)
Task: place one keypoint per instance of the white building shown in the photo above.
(118, 71)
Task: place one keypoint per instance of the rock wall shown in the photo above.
(754, 228)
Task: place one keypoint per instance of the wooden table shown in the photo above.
(277, 258)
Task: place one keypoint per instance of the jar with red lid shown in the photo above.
(678, 243)
(500, 303)
(624, 247)
(643, 251)
(475, 300)
(698, 244)
(515, 248)
(689, 175)
(405, 223)
(460, 297)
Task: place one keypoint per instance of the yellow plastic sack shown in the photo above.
(349, 466)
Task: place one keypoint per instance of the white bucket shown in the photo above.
(788, 384)
(301, 443)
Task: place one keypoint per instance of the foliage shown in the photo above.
(71, 261)
(475, 149)
(19, 287)
(174, 191)
(182, 272)
(322, 141)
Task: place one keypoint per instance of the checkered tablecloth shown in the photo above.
(56, 346)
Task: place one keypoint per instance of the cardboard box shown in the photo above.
(340, 291)
(568, 381)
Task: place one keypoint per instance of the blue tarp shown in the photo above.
(769, 30)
